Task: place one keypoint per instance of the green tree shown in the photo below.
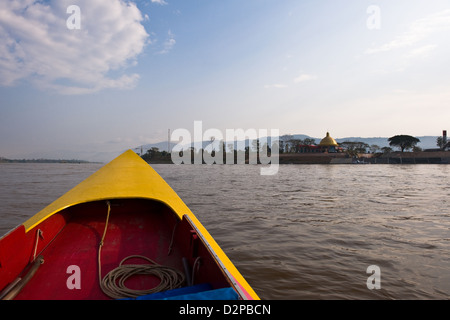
(284, 143)
(354, 147)
(440, 142)
(255, 144)
(309, 141)
(403, 141)
(374, 148)
(294, 145)
(386, 149)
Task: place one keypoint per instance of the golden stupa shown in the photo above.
(328, 141)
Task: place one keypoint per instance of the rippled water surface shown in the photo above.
(308, 232)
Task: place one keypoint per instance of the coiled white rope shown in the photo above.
(113, 284)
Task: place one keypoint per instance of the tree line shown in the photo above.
(288, 144)
(250, 153)
(5, 160)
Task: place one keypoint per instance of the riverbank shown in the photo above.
(420, 157)
(313, 158)
(4, 160)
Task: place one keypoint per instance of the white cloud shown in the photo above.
(304, 77)
(161, 2)
(419, 30)
(169, 43)
(301, 78)
(424, 38)
(37, 46)
(422, 51)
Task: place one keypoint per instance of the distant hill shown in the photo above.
(426, 142)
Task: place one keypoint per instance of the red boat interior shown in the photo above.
(68, 245)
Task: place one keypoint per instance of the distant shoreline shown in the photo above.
(420, 157)
(3, 160)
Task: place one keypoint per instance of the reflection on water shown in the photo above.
(309, 232)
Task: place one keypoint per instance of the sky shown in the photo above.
(118, 74)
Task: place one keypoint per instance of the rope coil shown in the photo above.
(113, 284)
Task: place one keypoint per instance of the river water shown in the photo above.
(308, 232)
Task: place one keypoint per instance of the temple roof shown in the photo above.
(328, 141)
